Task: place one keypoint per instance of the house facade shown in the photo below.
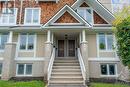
(39, 35)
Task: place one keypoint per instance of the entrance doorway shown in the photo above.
(66, 48)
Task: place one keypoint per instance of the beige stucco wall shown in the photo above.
(26, 54)
(37, 68)
(107, 54)
(41, 39)
(95, 71)
(92, 48)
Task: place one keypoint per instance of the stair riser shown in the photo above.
(66, 67)
(65, 82)
(62, 64)
(66, 61)
(67, 79)
(59, 74)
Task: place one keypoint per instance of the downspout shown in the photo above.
(21, 7)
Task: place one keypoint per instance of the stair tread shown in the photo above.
(66, 77)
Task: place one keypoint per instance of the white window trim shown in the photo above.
(2, 50)
(24, 70)
(108, 74)
(7, 24)
(27, 50)
(32, 16)
(1, 70)
(85, 13)
(106, 44)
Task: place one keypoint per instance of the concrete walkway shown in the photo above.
(67, 86)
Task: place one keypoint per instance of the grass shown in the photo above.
(107, 85)
(41, 84)
(22, 84)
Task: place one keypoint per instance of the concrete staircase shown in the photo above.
(66, 71)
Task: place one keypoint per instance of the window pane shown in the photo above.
(20, 69)
(81, 12)
(23, 39)
(28, 69)
(102, 45)
(112, 69)
(35, 15)
(4, 38)
(109, 42)
(5, 18)
(0, 68)
(30, 41)
(28, 15)
(104, 69)
(89, 15)
(12, 18)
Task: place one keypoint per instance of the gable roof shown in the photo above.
(66, 8)
(98, 7)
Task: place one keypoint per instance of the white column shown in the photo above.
(52, 37)
(10, 40)
(83, 36)
(48, 36)
(80, 38)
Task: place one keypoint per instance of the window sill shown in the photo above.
(8, 24)
(23, 75)
(106, 51)
(111, 76)
(31, 24)
(26, 51)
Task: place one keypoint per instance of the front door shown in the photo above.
(66, 48)
(71, 48)
(60, 48)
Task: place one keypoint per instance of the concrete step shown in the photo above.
(67, 85)
(66, 74)
(66, 82)
(66, 64)
(66, 67)
(66, 70)
(66, 61)
(66, 77)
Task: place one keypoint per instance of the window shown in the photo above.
(8, 16)
(105, 41)
(86, 13)
(32, 16)
(0, 68)
(24, 69)
(108, 69)
(3, 40)
(117, 5)
(27, 41)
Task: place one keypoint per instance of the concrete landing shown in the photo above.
(67, 86)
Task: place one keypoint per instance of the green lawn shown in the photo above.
(107, 85)
(41, 84)
(22, 84)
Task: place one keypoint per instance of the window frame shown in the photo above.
(15, 21)
(39, 19)
(86, 8)
(1, 69)
(2, 50)
(108, 72)
(26, 47)
(106, 43)
(25, 66)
